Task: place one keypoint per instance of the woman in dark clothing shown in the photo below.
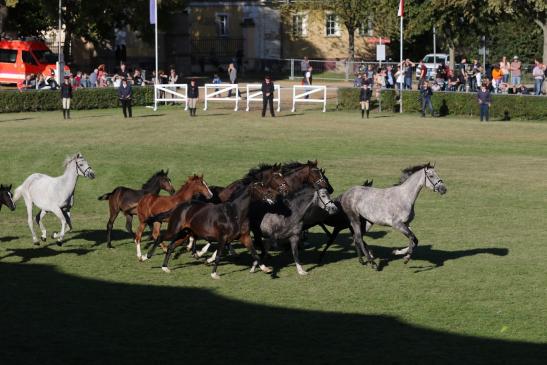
(124, 94)
(364, 98)
(193, 95)
(66, 96)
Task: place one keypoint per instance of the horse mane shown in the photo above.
(252, 174)
(153, 178)
(69, 159)
(409, 171)
(295, 165)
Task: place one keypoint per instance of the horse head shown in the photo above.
(260, 191)
(6, 197)
(277, 181)
(432, 179)
(165, 182)
(317, 178)
(322, 200)
(82, 166)
(199, 186)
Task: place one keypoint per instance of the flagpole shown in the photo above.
(401, 69)
(156, 36)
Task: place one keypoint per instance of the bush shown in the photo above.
(523, 107)
(96, 98)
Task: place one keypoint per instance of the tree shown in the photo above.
(94, 21)
(525, 10)
(352, 13)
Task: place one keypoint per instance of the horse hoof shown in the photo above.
(253, 270)
(144, 258)
(407, 259)
(36, 243)
(43, 238)
(266, 269)
(302, 272)
(165, 269)
(215, 276)
(59, 243)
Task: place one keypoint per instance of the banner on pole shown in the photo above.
(153, 11)
(401, 11)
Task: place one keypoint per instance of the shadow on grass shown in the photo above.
(98, 237)
(28, 254)
(8, 238)
(435, 257)
(49, 317)
(15, 120)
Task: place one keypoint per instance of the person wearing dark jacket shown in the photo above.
(193, 95)
(124, 94)
(66, 96)
(365, 95)
(267, 95)
(485, 99)
(425, 94)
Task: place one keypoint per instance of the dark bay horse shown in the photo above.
(125, 200)
(298, 174)
(152, 205)
(393, 206)
(6, 197)
(222, 223)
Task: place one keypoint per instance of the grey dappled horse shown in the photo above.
(281, 226)
(393, 206)
(53, 194)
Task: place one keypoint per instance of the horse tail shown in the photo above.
(158, 217)
(105, 196)
(17, 193)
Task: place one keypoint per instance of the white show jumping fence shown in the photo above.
(254, 93)
(308, 90)
(172, 92)
(222, 88)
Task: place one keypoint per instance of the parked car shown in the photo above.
(19, 58)
(432, 61)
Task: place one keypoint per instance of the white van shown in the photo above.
(432, 61)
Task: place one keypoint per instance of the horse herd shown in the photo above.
(268, 204)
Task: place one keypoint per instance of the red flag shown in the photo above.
(401, 8)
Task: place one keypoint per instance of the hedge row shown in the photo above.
(524, 107)
(97, 98)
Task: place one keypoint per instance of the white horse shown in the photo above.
(52, 194)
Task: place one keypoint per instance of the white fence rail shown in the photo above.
(177, 93)
(304, 97)
(213, 92)
(254, 93)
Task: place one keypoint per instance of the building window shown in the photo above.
(222, 24)
(331, 25)
(365, 29)
(299, 25)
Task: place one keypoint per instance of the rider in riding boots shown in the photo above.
(364, 98)
(66, 96)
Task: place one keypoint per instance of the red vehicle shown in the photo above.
(21, 58)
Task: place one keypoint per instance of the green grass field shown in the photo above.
(474, 293)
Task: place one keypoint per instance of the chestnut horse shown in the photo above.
(222, 223)
(298, 174)
(125, 200)
(152, 205)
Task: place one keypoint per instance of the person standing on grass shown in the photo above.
(66, 96)
(232, 74)
(485, 100)
(365, 95)
(125, 94)
(307, 80)
(515, 67)
(267, 95)
(193, 96)
(426, 92)
(304, 64)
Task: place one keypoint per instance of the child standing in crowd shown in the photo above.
(66, 96)
(193, 95)
(364, 98)
(485, 99)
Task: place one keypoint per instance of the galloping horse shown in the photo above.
(394, 206)
(51, 194)
(6, 198)
(151, 205)
(277, 226)
(222, 223)
(126, 199)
